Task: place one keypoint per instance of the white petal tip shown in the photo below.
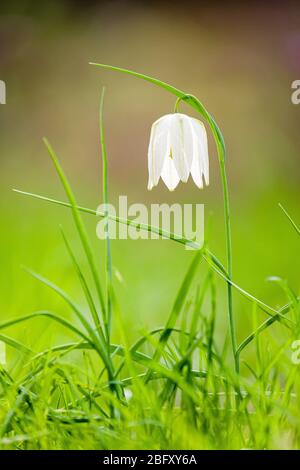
(171, 187)
(150, 185)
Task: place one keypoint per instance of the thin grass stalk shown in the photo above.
(84, 285)
(221, 149)
(79, 224)
(108, 316)
(290, 218)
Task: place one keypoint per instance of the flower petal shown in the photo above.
(200, 163)
(196, 171)
(181, 144)
(150, 157)
(158, 148)
(169, 174)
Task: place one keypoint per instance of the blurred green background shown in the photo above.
(239, 60)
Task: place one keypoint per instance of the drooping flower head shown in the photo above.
(177, 148)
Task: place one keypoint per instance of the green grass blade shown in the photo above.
(182, 294)
(79, 224)
(117, 349)
(262, 305)
(138, 225)
(155, 81)
(65, 297)
(177, 307)
(106, 201)
(290, 218)
(209, 257)
(188, 98)
(97, 341)
(53, 316)
(263, 326)
(84, 284)
(291, 296)
(15, 344)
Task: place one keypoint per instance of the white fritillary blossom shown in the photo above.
(177, 148)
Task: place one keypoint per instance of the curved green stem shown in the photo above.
(229, 263)
(221, 149)
(218, 137)
(179, 99)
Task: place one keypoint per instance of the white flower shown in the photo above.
(177, 148)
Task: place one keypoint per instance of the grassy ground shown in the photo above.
(189, 398)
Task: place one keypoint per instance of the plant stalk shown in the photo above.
(108, 315)
(196, 104)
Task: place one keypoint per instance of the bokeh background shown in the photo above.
(240, 60)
